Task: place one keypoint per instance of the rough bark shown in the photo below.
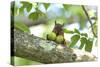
(37, 49)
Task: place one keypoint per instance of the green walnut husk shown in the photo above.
(59, 39)
(51, 36)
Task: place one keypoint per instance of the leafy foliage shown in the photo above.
(82, 37)
(46, 5)
(76, 31)
(26, 5)
(84, 34)
(68, 31)
(71, 32)
(88, 46)
(33, 16)
(74, 40)
(21, 26)
(37, 15)
(83, 41)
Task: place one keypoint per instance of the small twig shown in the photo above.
(89, 20)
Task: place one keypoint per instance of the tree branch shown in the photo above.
(86, 13)
(34, 48)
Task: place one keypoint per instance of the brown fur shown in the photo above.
(58, 29)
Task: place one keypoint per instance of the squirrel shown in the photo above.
(57, 34)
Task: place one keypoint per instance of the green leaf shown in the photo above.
(84, 34)
(66, 6)
(88, 46)
(83, 42)
(68, 31)
(76, 31)
(27, 5)
(33, 16)
(37, 15)
(21, 26)
(21, 11)
(46, 5)
(74, 40)
(40, 13)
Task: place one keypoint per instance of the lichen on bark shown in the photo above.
(38, 49)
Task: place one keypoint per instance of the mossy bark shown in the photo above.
(35, 48)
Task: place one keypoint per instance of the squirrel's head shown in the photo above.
(58, 25)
